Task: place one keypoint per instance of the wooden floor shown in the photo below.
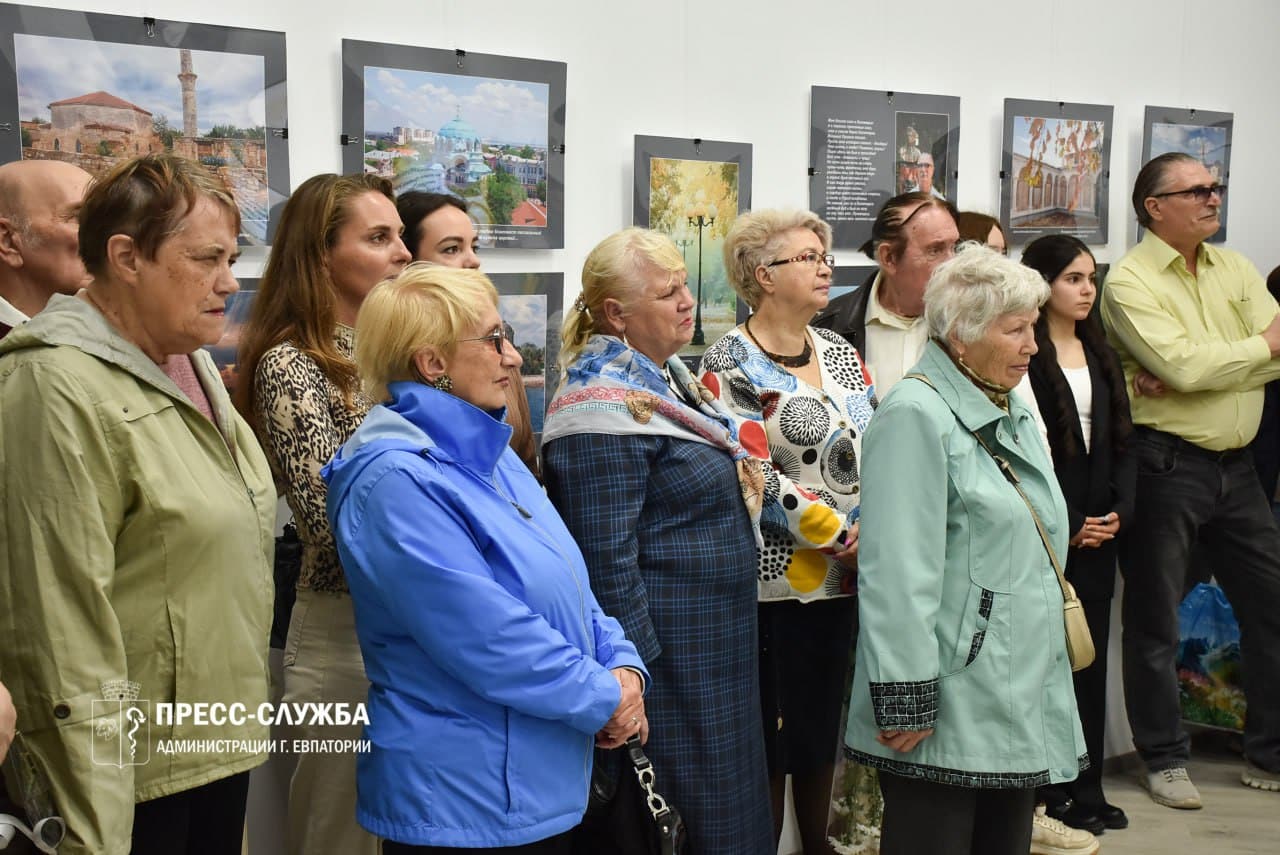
(1235, 819)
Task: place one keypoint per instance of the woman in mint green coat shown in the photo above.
(962, 695)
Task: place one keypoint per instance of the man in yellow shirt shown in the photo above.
(1199, 336)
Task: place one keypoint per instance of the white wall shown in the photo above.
(741, 71)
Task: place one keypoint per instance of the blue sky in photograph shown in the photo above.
(501, 111)
(229, 86)
(527, 314)
(1189, 139)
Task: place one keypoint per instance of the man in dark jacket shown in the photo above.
(884, 319)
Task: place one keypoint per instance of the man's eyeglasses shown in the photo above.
(809, 257)
(1201, 194)
(498, 336)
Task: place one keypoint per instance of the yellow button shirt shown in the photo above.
(1200, 334)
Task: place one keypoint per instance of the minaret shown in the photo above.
(188, 79)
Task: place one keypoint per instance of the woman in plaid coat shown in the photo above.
(648, 472)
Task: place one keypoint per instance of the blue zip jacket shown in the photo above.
(486, 651)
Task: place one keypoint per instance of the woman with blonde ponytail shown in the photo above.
(672, 553)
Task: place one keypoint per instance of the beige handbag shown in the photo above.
(1080, 649)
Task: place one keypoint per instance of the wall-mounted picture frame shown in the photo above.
(489, 129)
(692, 190)
(94, 90)
(845, 279)
(226, 352)
(867, 146)
(1055, 170)
(532, 308)
(1203, 134)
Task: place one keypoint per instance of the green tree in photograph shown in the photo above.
(527, 152)
(502, 193)
(103, 148)
(533, 357)
(541, 190)
(26, 138)
(160, 125)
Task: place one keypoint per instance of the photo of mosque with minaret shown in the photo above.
(95, 130)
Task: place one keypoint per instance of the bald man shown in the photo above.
(39, 236)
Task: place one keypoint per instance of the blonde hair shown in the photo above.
(425, 306)
(967, 293)
(755, 239)
(615, 269)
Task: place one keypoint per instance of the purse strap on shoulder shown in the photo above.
(1006, 469)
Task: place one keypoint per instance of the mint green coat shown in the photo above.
(960, 610)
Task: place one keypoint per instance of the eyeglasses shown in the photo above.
(498, 336)
(1201, 194)
(809, 257)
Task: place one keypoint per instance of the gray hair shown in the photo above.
(1151, 180)
(967, 293)
(756, 239)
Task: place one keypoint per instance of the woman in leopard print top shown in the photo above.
(338, 237)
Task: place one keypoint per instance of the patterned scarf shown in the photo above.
(612, 389)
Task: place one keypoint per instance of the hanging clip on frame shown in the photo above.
(461, 55)
(149, 24)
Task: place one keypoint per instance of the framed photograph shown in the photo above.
(489, 129)
(692, 191)
(226, 352)
(866, 146)
(532, 308)
(95, 90)
(1203, 134)
(847, 279)
(1055, 170)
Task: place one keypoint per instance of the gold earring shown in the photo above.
(444, 383)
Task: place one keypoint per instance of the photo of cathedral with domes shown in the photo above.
(479, 138)
(119, 101)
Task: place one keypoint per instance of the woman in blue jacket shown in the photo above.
(492, 667)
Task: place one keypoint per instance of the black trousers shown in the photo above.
(558, 845)
(1185, 493)
(1091, 700)
(921, 816)
(207, 820)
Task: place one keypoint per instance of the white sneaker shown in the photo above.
(1050, 836)
(1260, 779)
(1173, 788)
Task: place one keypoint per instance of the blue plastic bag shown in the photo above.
(1209, 669)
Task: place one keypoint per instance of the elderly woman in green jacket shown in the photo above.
(137, 519)
(962, 695)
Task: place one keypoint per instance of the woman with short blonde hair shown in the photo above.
(426, 306)
(493, 669)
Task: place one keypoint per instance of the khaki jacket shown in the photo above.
(135, 545)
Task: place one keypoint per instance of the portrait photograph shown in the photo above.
(1203, 134)
(1057, 158)
(922, 153)
(483, 128)
(207, 96)
(693, 193)
(868, 145)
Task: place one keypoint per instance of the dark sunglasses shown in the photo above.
(1201, 193)
(498, 336)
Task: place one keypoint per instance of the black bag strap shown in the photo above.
(1006, 469)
